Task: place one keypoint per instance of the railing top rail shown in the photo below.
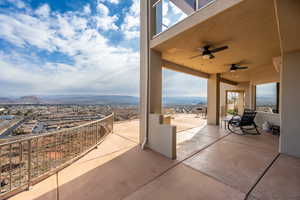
(55, 132)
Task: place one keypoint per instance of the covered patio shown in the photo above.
(259, 37)
(211, 164)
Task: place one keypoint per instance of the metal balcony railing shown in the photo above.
(165, 20)
(26, 161)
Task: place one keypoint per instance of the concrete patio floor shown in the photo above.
(211, 164)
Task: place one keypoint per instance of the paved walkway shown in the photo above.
(211, 164)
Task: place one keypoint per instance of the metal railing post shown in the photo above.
(66, 145)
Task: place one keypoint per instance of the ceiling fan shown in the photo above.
(208, 53)
(235, 67)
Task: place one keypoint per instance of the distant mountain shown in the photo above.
(21, 100)
(265, 100)
(184, 100)
(29, 100)
(97, 99)
(90, 99)
(72, 99)
(4, 100)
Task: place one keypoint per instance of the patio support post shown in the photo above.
(252, 96)
(150, 69)
(288, 19)
(213, 100)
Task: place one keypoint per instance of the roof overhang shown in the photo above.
(249, 28)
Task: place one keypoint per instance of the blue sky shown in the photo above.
(266, 90)
(78, 47)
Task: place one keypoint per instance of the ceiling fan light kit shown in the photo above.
(207, 53)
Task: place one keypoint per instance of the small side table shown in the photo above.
(225, 120)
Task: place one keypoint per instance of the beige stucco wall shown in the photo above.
(162, 137)
(290, 104)
(288, 19)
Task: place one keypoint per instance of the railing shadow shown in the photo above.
(114, 179)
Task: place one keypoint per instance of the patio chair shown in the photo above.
(244, 124)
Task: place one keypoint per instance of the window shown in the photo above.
(267, 97)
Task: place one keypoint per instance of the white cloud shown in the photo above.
(106, 23)
(104, 20)
(24, 29)
(131, 25)
(43, 11)
(87, 9)
(102, 9)
(111, 1)
(65, 28)
(97, 66)
(114, 1)
(18, 3)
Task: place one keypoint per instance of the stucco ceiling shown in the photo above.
(250, 31)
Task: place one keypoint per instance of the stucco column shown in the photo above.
(252, 96)
(288, 19)
(213, 100)
(155, 80)
(150, 68)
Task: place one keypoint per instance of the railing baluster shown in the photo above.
(89, 135)
(84, 139)
(10, 167)
(51, 152)
(80, 141)
(68, 145)
(55, 149)
(20, 163)
(2, 180)
(29, 164)
(48, 142)
(96, 133)
(44, 153)
(62, 153)
(37, 157)
(93, 134)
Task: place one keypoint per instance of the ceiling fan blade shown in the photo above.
(219, 49)
(195, 56)
(243, 62)
(211, 56)
(242, 68)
